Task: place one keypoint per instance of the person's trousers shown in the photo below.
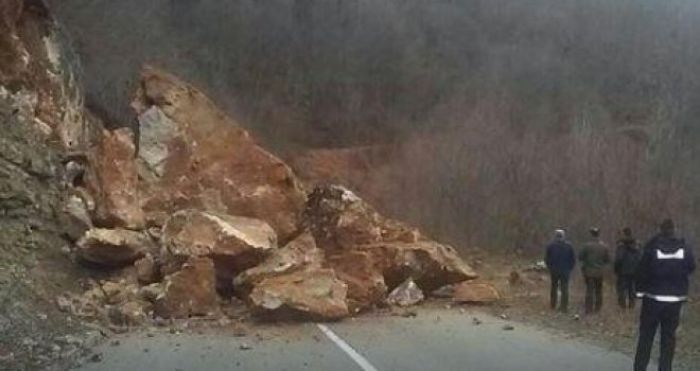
(626, 291)
(594, 294)
(655, 314)
(560, 282)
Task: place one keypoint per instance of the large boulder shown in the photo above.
(189, 292)
(339, 219)
(311, 293)
(363, 274)
(113, 181)
(374, 254)
(195, 156)
(431, 264)
(113, 247)
(299, 254)
(234, 243)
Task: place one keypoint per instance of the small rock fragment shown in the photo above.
(245, 346)
(97, 357)
(407, 294)
(64, 305)
(409, 314)
(475, 293)
(146, 270)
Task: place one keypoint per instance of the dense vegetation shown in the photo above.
(534, 113)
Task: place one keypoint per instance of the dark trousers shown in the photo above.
(560, 281)
(594, 294)
(625, 291)
(656, 313)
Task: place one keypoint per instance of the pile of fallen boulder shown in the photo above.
(191, 212)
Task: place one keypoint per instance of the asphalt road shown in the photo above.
(434, 340)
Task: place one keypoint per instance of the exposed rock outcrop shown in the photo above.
(35, 64)
(200, 158)
(41, 116)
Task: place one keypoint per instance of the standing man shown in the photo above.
(594, 257)
(627, 259)
(560, 260)
(662, 282)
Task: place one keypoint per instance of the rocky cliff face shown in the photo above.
(42, 124)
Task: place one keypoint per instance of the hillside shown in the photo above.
(535, 106)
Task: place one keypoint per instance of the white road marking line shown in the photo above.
(352, 353)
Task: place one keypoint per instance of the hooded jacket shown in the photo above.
(664, 269)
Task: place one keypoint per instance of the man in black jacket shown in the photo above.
(662, 282)
(560, 260)
(626, 261)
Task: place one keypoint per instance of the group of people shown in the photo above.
(657, 273)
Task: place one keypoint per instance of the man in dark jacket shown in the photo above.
(560, 260)
(626, 260)
(594, 258)
(662, 282)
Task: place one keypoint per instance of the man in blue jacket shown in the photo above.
(560, 260)
(662, 281)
